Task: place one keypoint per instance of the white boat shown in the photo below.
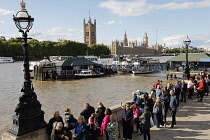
(141, 72)
(88, 74)
(6, 60)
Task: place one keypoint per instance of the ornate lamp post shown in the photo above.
(187, 69)
(29, 116)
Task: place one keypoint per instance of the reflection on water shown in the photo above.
(58, 95)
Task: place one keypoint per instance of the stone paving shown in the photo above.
(192, 119)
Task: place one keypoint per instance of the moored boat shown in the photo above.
(88, 74)
(6, 60)
(141, 72)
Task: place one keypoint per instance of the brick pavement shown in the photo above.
(193, 123)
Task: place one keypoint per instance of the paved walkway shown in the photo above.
(193, 123)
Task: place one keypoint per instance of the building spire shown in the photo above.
(125, 40)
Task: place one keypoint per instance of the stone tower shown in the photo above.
(125, 40)
(145, 40)
(89, 32)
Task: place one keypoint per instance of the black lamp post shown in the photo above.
(29, 116)
(187, 69)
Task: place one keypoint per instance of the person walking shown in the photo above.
(146, 124)
(87, 111)
(173, 107)
(127, 117)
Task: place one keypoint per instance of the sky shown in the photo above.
(165, 21)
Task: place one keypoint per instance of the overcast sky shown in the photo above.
(170, 21)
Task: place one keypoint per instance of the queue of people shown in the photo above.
(145, 111)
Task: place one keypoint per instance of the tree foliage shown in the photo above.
(98, 50)
(13, 48)
(178, 50)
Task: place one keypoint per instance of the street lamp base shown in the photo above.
(27, 122)
(40, 134)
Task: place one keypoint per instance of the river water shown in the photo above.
(59, 95)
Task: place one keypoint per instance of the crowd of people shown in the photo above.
(90, 125)
(138, 116)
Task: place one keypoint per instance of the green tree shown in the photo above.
(98, 50)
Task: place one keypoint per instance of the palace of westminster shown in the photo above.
(122, 47)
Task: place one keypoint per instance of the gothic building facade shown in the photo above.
(134, 48)
(89, 32)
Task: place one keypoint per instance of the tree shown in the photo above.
(98, 50)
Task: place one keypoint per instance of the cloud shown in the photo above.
(6, 12)
(120, 22)
(197, 40)
(113, 22)
(61, 29)
(56, 33)
(52, 34)
(141, 7)
(1, 22)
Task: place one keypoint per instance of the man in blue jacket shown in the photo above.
(173, 107)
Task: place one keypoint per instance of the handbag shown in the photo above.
(155, 110)
(151, 122)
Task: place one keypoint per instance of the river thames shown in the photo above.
(59, 95)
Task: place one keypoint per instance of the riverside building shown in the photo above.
(134, 48)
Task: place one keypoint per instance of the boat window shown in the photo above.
(86, 73)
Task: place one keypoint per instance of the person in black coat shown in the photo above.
(100, 113)
(56, 118)
(87, 112)
(127, 117)
(150, 104)
(146, 124)
(69, 120)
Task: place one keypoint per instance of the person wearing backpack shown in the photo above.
(69, 120)
(146, 124)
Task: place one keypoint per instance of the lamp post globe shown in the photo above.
(187, 69)
(28, 114)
